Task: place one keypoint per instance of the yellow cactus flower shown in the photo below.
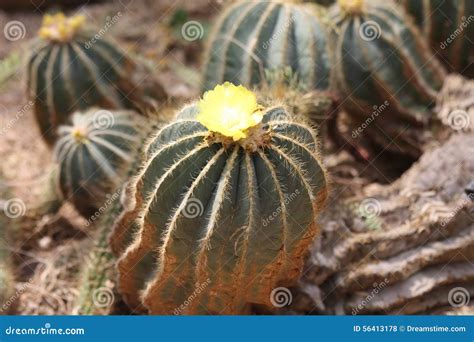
(60, 28)
(351, 7)
(229, 110)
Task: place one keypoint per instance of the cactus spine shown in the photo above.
(446, 25)
(93, 154)
(70, 70)
(252, 37)
(219, 221)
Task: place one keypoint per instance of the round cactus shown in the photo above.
(447, 25)
(380, 57)
(253, 37)
(94, 153)
(224, 208)
(70, 69)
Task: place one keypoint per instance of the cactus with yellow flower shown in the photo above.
(226, 202)
(70, 69)
(94, 154)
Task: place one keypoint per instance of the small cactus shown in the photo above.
(224, 208)
(380, 56)
(447, 26)
(93, 154)
(252, 37)
(70, 70)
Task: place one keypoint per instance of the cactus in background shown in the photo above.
(380, 61)
(380, 57)
(447, 26)
(94, 154)
(223, 209)
(252, 37)
(71, 70)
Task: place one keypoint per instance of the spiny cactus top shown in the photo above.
(224, 208)
(380, 57)
(448, 27)
(254, 36)
(93, 155)
(71, 69)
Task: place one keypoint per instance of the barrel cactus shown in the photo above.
(251, 37)
(447, 25)
(71, 69)
(383, 58)
(382, 62)
(223, 209)
(94, 154)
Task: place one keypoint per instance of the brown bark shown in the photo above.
(408, 255)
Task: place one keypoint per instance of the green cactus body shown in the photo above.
(79, 72)
(380, 57)
(447, 25)
(252, 37)
(94, 154)
(218, 224)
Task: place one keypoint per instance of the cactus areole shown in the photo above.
(224, 208)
